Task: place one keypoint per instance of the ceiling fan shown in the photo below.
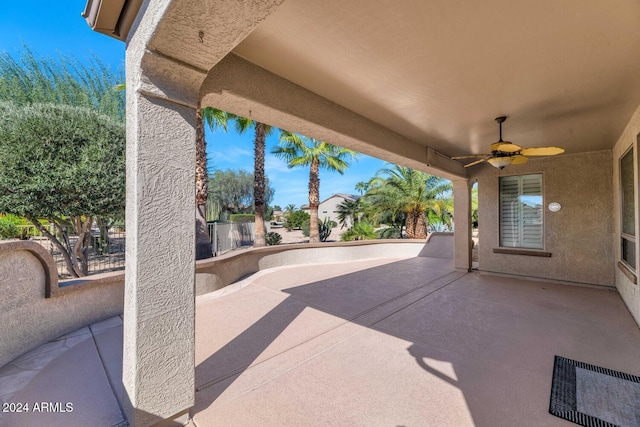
(504, 153)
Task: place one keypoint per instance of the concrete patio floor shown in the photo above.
(389, 342)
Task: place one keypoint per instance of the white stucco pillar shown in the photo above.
(462, 220)
(159, 304)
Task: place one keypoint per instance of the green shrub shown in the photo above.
(9, 227)
(361, 230)
(242, 218)
(296, 219)
(324, 228)
(273, 238)
(389, 233)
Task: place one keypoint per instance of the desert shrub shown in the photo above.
(242, 218)
(389, 233)
(296, 219)
(361, 230)
(9, 227)
(273, 238)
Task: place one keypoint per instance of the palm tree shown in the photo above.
(410, 192)
(348, 212)
(298, 151)
(290, 208)
(440, 213)
(361, 187)
(215, 119)
(261, 132)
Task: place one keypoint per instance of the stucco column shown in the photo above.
(462, 220)
(159, 304)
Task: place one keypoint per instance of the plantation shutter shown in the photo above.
(521, 224)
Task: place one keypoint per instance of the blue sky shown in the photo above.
(49, 28)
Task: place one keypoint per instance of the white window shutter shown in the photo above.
(521, 211)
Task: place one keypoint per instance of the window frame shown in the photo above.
(543, 213)
(631, 238)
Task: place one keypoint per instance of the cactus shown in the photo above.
(273, 238)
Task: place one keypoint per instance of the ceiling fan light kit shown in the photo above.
(505, 153)
(500, 162)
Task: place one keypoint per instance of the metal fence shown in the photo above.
(106, 249)
(226, 236)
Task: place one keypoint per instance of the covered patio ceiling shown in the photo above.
(439, 72)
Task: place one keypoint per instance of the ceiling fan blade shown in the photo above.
(505, 147)
(542, 151)
(470, 157)
(519, 160)
(475, 163)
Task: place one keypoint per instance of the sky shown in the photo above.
(50, 28)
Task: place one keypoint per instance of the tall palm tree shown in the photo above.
(215, 119)
(261, 132)
(299, 151)
(361, 187)
(414, 193)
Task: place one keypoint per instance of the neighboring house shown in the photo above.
(328, 208)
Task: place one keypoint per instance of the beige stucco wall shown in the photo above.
(578, 236)
(216, 273)
(29, 319)
(626, 288)
(328, 209)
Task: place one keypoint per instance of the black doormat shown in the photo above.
(593, 396)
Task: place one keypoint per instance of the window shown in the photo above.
(627, 210)
(521, 211)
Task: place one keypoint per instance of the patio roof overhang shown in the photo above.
(434, 73)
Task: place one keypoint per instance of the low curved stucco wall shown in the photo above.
(27, 277)
(216, 273)
(36, 308)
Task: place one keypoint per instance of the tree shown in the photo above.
(299, 151)
(31, 79)
(296, 219)
(348, 212)
(64, 164)
(412, 193)
(361, 187)
(231, 192)
(261, 131)
(215, 119)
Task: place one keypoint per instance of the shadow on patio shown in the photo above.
(397, 342)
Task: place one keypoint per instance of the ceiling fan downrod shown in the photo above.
(500, 120)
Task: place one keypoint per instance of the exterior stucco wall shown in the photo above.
(627, 289)
(327, 209)
(29, 319)
(216, 273)
(578, 236)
